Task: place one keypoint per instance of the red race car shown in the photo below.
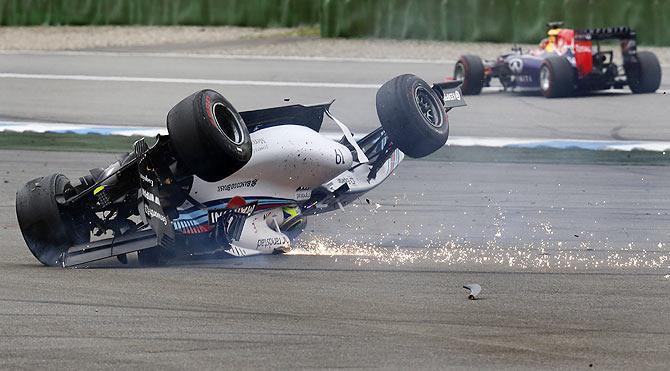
(566, 62)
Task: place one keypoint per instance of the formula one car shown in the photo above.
(228, 183)
(566, 62)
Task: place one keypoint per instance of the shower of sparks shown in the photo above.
(439, 247)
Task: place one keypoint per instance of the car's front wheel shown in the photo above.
(412, 115)
(47, 230)
(470, 70)
(209, 136)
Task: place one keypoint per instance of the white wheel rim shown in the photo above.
(236, 135)
(544, 78)
(459, 72)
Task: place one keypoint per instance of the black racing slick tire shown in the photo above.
(470, 69)
(47, 230)
(209, 136)
(557, 77)
(412, 115)
(645, 75)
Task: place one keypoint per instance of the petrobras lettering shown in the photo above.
(455, 95)
(150, 197)
(272, 242)
(153, 214)
(244, 184)
(146, 179)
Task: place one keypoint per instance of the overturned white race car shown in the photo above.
(223, 181)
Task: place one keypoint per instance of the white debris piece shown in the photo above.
(474, 288)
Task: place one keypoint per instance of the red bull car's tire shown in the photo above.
(209, 136)
(470, 70)
(644, 76)
(557, 77)
(47, 230)
(412, 115)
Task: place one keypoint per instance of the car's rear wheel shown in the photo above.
(209, 136)
(412, 115)
(644, 76)
(557, 77)
(47, 230)
(470, 70)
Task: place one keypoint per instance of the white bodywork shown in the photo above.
(287, 164)
(285, 158)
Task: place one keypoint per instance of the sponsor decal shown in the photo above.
(259, 144)
(146, 179)
(153, 214)
(232, 220)
(272, 242)
(339, 157)
(582, 48)
(347, 179)
(523, 78)
(244, 184)
(246, 211)
(456, 95)
(150, 197)
(515, 65)
(303, 193)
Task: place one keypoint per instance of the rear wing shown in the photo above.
(450, 93)
(607, 33)
(624, 34)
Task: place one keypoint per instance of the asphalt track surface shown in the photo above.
(262, 82)
(573, 259)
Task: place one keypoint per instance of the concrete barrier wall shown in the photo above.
(257, 13)
(490, 20)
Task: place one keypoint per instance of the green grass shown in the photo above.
(68, 142)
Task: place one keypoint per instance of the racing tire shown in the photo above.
(644, 76)
(412, 115)
(557, 77)
(208, 135)
(47, 230)
(470, 69)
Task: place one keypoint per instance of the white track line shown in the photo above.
(168, 80)
(234, 56)
(456, 141)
